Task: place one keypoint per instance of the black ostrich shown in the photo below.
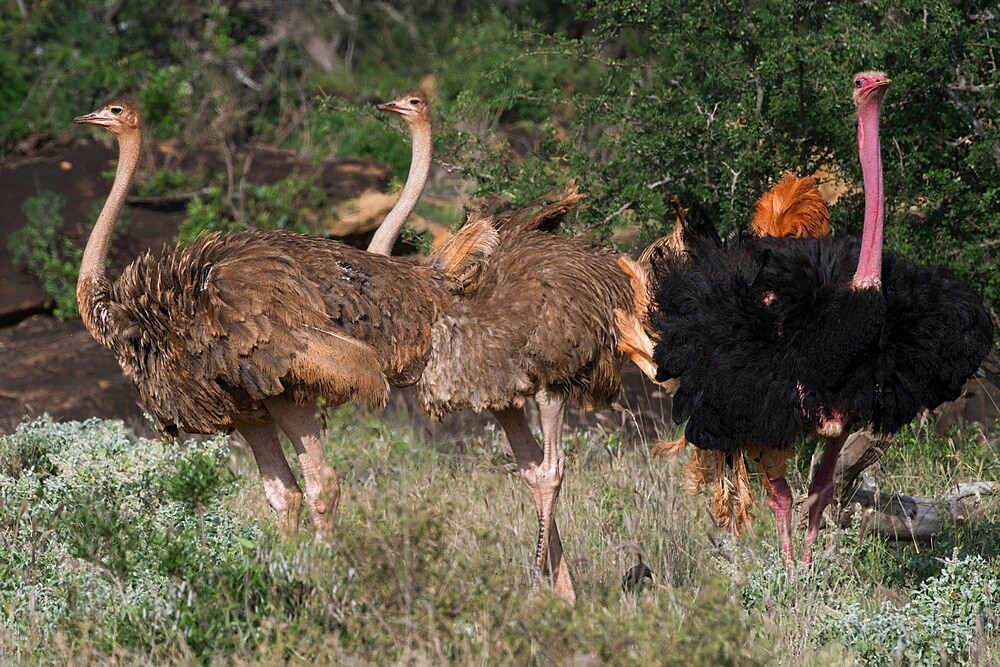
(812, 336)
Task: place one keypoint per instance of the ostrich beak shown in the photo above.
(389, 106)
(92, 119)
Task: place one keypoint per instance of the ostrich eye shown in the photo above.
(415, 102)
(116, 110)
(858, 83)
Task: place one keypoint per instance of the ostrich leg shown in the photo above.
(551, 410)
(774, 464)
(300, 424)
(821, 490)
(280, 488)
(542, 477)
(779, 499)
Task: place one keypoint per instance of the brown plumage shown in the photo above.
(539, 319)
(208, 332)
(539, 324)
(245, 331)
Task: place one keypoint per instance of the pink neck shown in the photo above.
(420, 166)
(869, 273)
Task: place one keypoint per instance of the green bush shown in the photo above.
(45, 252)
(293, 203)
(113, 534)
(938, 625)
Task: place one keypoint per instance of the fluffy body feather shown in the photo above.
(208, 332)
(798, 344)
(539, 318)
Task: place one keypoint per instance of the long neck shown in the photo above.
(869, 273)
(420, 166)
(91, 287)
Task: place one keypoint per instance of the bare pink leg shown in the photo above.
(300, 424)
(779, 499)
(543, 476)
(551, 411)
(280, 487)
(821, 490)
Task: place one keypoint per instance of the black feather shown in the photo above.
(767, 336)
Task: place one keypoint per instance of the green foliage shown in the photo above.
(121, 546)
(42, 249)
(938, 623)
(95, 541)
(165, 180)
(291, 204)
(13, 123)
(359, 135)
(204, 215)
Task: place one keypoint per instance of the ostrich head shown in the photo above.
(869, 89)
(120, 117)
(411, 106)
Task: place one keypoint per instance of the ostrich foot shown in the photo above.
(323, 501)
(288, 517)
(821, 492)
(542, 475)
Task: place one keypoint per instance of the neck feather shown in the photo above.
(420, 166)
(869, 272)
(91, 287)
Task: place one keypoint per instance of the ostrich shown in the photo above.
(792, 208)
(415, 111)
(538, 324)
(812, 336)
(245, 331)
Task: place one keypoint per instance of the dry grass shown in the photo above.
(432, 564)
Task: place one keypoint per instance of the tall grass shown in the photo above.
(124, 549)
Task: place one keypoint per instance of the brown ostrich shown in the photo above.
(416, 112)
(245, 331)
(538, 324)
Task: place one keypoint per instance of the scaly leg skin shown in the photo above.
(551, 410)
(280, 487)
(542, 478)
(779, 499)
(821, 490)
(322, 495)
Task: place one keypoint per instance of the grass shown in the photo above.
(127, 550)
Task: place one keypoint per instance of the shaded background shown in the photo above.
(260, 114)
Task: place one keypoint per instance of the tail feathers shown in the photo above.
(465, 254)
(548, 218)
(793, 208)
(692, 222)
(695, 222)
(727, 476)
(669, 447)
